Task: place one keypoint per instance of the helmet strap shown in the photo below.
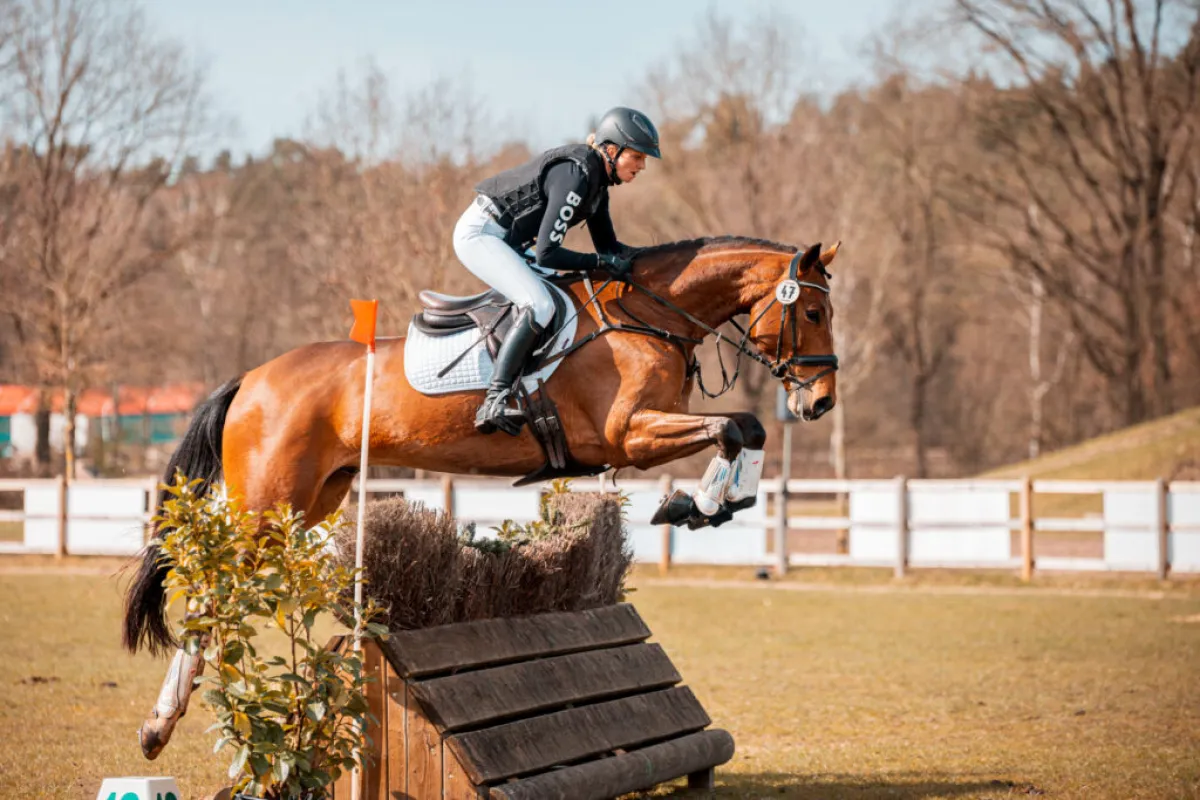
(612, 162)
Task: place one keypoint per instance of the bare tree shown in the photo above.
(394, 175)
(102, 110)
(912, 154)
(1088, 149)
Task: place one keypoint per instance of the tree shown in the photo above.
(910, 155)
(1087, 147)
(103, 111)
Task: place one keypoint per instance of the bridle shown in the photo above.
(787, 292)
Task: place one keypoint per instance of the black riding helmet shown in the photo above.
(626, 127)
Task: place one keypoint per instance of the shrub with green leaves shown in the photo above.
(292, 721)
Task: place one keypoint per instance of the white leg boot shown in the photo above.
(747, 471)
(711, 491)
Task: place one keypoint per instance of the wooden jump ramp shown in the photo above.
(559, 705)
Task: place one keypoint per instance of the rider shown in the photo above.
(539, 200)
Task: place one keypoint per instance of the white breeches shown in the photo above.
(480, 246)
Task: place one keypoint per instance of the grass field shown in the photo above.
(1166, 448)
(838, 689)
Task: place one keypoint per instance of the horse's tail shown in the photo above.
(198, 456)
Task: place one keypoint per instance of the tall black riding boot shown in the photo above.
(495, 412)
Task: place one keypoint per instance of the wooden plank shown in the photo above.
(456, 784)
(530, 745)
(702, 779)
(504, 693)
(466, 645)
(375, 779)
(1027, 527)
(423, 747)
(397, 754)
(343, 786)
(634, 771)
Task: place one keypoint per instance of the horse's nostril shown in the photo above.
(823, 404)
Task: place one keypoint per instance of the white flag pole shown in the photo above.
(368, 382)
(362, 498)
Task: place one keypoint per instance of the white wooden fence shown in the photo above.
(1125, 525)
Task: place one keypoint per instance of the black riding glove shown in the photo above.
(617, 266)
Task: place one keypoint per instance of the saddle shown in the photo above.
(444, 315)
(490, 312)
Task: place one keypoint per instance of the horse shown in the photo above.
(290, 429)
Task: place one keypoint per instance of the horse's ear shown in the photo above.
(828, 256)
(811, 256)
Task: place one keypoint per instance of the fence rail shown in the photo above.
(1137, 526)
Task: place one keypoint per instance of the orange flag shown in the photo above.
(363, 329)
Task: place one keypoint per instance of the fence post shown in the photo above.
(1162, 527)
(664, 561)
(60, 550)
(901, 525)
(152, 509)
(1027, 527)
(448, 495)
(781, 505)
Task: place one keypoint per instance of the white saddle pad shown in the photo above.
(425, 356)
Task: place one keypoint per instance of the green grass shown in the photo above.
(832, 694)
(914, 695)
(1163, 448)
(1167, 448)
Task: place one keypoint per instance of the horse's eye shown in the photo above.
(813, 315)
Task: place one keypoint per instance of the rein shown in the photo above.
(786, 294)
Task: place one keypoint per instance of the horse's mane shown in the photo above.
(708, 243)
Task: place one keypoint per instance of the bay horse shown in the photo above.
(290, 429)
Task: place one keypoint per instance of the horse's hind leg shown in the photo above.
(315, 499)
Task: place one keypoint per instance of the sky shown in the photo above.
(545, 67)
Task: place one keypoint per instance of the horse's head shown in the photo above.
(791, 325)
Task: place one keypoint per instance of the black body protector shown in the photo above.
(540, 201)
(520, 195)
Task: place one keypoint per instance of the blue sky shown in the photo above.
(549, 65)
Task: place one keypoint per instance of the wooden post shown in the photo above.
(664, 561)
(1027, 529)
(448, 495)
(61, 549)
(781, 504)
(901, 525)
(1162, 528)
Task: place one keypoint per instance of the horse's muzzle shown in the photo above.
(809, 406)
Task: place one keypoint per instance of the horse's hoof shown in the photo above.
(723, 515)
(676, 509)
(154, 734)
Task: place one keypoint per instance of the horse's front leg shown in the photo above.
(656, 437)
(742, 491)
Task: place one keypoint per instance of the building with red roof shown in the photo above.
(138, 415)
